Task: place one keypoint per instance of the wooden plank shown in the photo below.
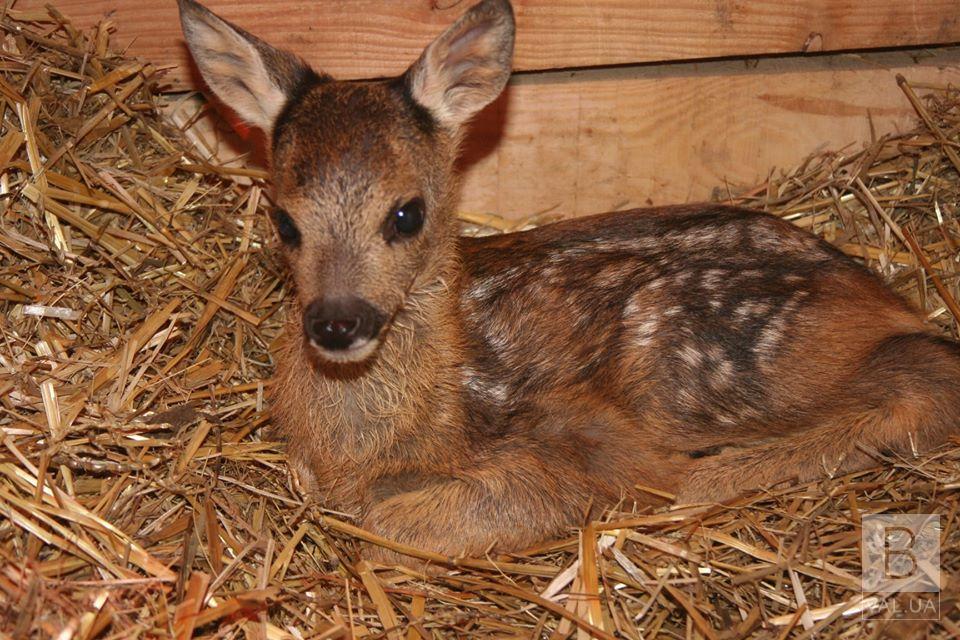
(376, 38)
(600, 140)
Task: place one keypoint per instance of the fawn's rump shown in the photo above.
(905, 399)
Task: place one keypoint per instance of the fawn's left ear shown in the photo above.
(248, 75)
(465, 68)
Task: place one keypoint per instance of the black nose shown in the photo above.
(340, 323)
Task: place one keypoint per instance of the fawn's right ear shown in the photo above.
(467, 67)
(248, 75)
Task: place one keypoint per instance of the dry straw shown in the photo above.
(140, 494)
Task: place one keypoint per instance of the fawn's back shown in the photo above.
(725, 323)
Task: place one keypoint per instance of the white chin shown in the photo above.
(357, 352)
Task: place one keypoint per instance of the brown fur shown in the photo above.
(523, 381)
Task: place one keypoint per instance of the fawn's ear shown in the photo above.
(467, 67)
(245, 73)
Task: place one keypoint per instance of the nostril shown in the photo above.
(334, 333)
(339, 329)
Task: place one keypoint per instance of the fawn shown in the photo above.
(461, 394)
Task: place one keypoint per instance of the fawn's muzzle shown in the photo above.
(340, 324)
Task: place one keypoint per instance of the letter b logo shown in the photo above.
(901, 553)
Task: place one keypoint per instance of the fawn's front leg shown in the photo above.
(527, 488)
(510, 507)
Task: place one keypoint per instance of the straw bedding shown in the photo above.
(141, 494)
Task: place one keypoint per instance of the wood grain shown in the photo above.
(576, 143)
(376, 38)
(614, 139)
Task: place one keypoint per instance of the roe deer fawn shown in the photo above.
(460, 394)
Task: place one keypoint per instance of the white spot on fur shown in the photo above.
(713, 278)
(498, 392)
(641, 322)
(646, 331)
(773, 333)
(641, 244)
(750, 309)
(686, 398)
(722, 374)
(497, 340)
(611, 275)
(481, 289)
(691, 355)
(769, 339)
(729, 235)
(764, 237)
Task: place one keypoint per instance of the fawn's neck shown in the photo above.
(409, 392)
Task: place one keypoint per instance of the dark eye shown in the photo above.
(286, 229)
(404, 221)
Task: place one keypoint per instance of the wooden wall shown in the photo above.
(598, 140)
(374, 38)
(664, 125)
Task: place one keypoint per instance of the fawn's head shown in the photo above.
(363, 172)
